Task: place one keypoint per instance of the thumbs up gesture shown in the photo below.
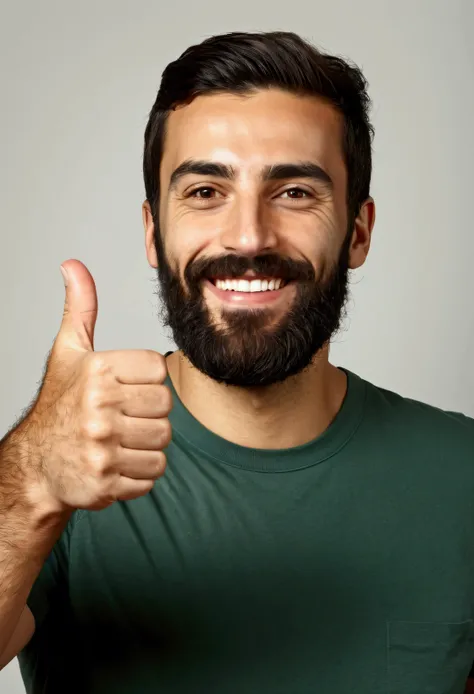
(97, 430)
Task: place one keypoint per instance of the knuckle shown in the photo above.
(97, 428)
(160, 463)
(159, 363)
(106, 497)
(167, 399)
(98, 365)
(165, 433)
(164, 398)
(95, 398)
(99, 460)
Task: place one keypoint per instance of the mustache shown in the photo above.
(233, 266)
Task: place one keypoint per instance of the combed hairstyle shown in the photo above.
(241, 63)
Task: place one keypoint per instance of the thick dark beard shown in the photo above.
(247, 349)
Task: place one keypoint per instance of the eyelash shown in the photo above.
(192, 194)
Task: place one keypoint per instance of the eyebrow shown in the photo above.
(273, 172)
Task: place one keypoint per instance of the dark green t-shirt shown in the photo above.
(343, 566)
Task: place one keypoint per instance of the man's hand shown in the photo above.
(97, 430)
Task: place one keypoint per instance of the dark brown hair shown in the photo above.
(240, 62)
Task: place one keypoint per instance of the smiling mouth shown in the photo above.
(248, 285)
(246, 295)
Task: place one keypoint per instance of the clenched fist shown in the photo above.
(97, 430)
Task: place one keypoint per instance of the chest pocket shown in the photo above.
(429, 657)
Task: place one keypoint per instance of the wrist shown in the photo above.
(24, 489)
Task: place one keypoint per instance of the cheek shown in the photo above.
(187, 238)
(315, 235)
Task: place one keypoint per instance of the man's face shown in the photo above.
(253, 197)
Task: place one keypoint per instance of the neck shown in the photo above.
(283, 415)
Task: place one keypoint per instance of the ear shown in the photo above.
(149, 227)
(362, 234)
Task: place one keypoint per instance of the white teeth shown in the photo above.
(255, 286)
(249, 286)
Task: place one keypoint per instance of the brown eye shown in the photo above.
(205, 193)
(301, 194)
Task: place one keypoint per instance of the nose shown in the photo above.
(248, 229)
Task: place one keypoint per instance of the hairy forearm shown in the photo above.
(29, 527)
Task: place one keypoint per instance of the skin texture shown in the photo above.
(94, 435)
(250, 217)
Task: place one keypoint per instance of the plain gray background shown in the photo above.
(77, 82)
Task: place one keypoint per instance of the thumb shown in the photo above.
(80, 307)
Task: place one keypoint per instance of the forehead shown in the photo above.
(253, 130)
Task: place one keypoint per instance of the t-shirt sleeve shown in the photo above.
(52, 581)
